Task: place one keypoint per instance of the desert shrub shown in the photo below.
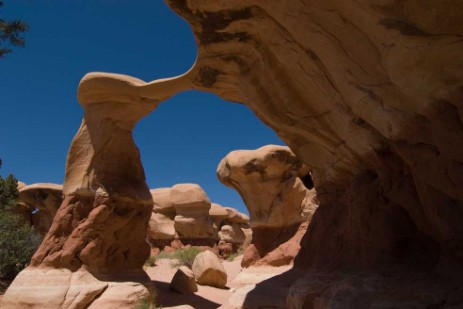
(232, 256)
(18, 241)
(185, 257)
(165, 255)
(151, 261)
(146, 303)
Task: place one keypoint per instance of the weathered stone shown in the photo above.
(184, 281)
(232, 234)
(218, 214)
(277, 200)
(43, 199)
(366, 93)
(99, 231)
(208, 270)
(192, 212)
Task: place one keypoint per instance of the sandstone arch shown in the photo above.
(93, 254)
(368, 93)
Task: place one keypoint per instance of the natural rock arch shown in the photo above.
(368, 93)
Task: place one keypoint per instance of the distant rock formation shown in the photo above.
(43, 201)
(184, 213)
(268, 180)
(192, 212)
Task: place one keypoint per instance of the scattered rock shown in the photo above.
(184, 281)
(208, 270)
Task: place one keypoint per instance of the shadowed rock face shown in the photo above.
(278, 202)
(369, 95)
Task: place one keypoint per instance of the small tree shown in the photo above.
(10, 34)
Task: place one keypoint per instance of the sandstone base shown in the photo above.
(49, 288)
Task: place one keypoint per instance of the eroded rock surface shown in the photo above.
(161, 229)
(192, 212)
(183, 215)
(208, 270)
(97, 239)
(278, 202)
(369, 95)
(43, 201)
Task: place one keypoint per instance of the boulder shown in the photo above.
(161, 227)
(192, 213)
(208, 270)
(184, 281)
(218, 214)
(162, 201)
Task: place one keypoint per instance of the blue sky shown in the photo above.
(182, 141)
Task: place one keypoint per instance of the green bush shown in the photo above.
(186, 257)
(18, 241)
(151, 261)
(146, 303)
(183, 257)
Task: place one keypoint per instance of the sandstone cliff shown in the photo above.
(369, 95)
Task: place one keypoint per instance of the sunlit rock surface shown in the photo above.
(268, 180)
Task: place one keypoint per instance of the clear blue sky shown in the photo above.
(182, 141)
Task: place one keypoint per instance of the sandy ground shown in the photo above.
(206, 298)
(266, 294)
(239, 284)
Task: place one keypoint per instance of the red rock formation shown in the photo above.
(279, 204)
(43, 200)
(93, 254)
(183, 215)
(369, 95)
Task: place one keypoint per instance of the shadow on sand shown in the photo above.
(168, 298)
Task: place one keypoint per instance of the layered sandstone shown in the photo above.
(369, 95)
(93, 253)
(268, 180)
(192, 212)
(161, 230)
(184, 215)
